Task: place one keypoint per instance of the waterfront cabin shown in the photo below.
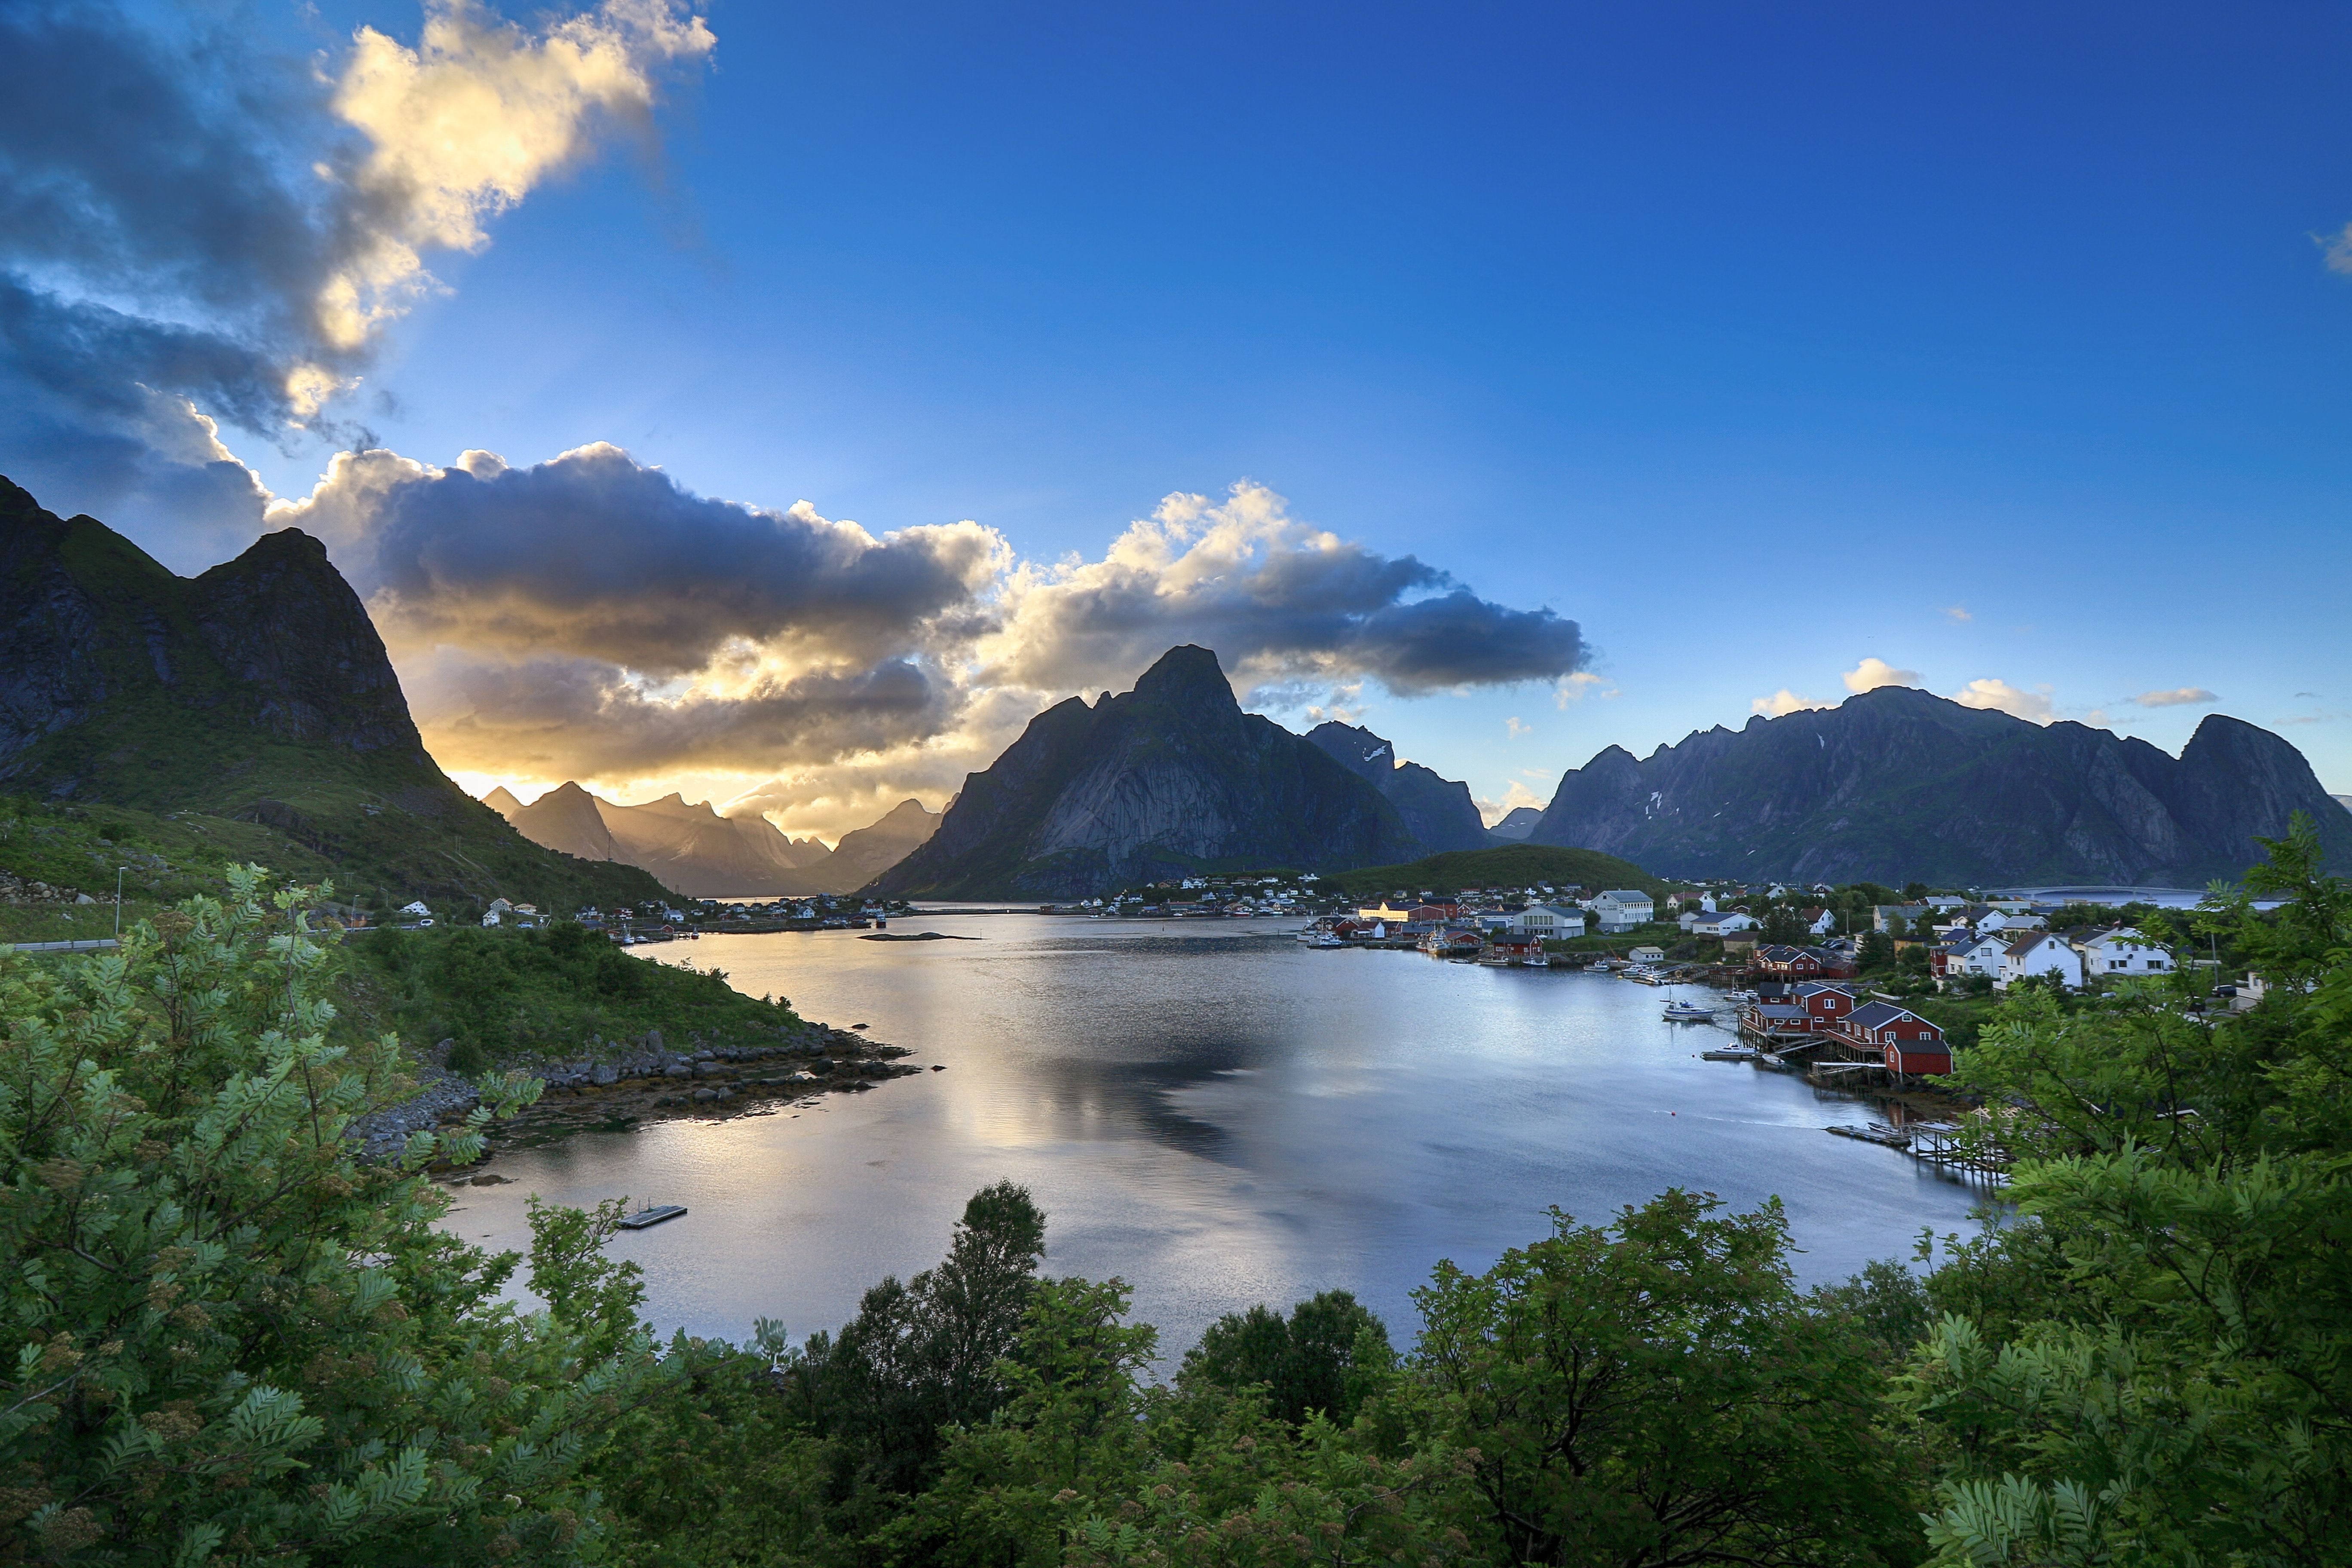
(1648, 955)
(1908, 1044)
(1825, 1006)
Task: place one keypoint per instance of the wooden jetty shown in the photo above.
(652, 1216)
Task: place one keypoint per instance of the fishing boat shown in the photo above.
(1689, 1013)
(652, 1216)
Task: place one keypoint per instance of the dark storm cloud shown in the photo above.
(596, 556)
(153, 255)
(579, 718)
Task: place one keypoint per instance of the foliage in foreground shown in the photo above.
(230, 1344)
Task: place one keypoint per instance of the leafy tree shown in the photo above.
(1876, 952)
(225, 1338)
(1782, 925)
(2156, 1366)
(1656, 1391)
(1328, 1354)
(925, 1355)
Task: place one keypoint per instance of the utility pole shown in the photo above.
(118, 904)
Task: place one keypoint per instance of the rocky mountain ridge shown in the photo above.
(257, 690)
(1896, 785)
(694, 851)
(1171, 778)
(1438, 811)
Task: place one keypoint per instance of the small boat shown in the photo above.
(1689, 1013)
(1729, 1053)
(654, 1216)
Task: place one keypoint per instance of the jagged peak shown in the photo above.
(1187, 674)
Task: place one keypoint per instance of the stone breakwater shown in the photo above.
(643, 1080)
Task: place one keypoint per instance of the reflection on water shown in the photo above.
(1215, 1114)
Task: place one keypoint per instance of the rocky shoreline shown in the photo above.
(642, 1080)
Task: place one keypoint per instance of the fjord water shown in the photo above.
(1213, 1113)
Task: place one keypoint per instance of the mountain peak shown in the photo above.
(1187, 674)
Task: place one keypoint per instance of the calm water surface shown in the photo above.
(1213, 1113)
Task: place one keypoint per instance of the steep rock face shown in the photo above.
(1897, 783)
(1438, 811)
(1169, 778)
(564, 819)
(867, 852)
(258, 690)
(272, 647)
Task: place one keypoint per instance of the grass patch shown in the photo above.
(502, 994)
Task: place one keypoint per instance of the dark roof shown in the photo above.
(1870, 1016)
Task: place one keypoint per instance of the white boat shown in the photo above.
(1689, 1013)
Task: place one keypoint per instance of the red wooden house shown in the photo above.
(1907, 1043)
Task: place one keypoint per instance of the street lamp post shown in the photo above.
(118, 904)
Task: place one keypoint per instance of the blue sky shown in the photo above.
(1998, 342)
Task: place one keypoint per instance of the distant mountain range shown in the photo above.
(258, 691)
(1515, 825)
(694, 851)
(1897, 784)
(1171, 778)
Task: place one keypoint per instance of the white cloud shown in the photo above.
(2179, 697)
(1873, 673)
(2338, 249)
(1514, 729)
(1784, 702)
(1518, 795)
(587, 618)
(1280, 600)
(2001, 696)
(1957, 612)
(465, 124)
(1576, 687)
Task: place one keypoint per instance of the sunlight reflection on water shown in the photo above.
(1215, 1113)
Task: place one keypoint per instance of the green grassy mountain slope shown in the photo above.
(1507, 866)
(257, 694)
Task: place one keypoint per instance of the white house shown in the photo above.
(415, 908)
(2038, 953)
(1623, 908)
(1723, 924)
(1549, 922)
(1981, 955)
(1648, 955)
(1820, 921)
(2120, 951)
(490, 917)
